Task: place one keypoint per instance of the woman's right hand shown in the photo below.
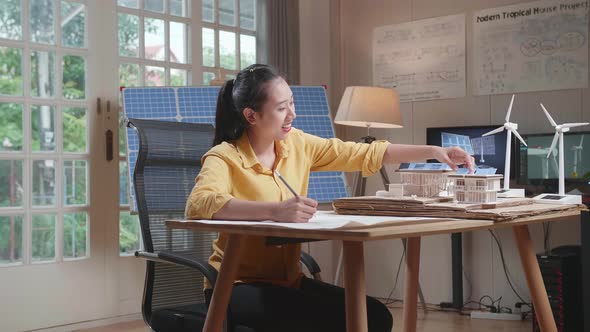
(297, 209)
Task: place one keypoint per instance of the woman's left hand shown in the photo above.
(454, 156)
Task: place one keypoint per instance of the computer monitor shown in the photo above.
(534, 168)
(489, 151)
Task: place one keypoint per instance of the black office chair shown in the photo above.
(169, 160)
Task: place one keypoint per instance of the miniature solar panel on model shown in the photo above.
(197, 105)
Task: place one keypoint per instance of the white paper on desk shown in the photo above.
(321, 220)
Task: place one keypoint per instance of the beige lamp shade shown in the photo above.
(364, 106)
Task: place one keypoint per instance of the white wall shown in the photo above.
(345, 27)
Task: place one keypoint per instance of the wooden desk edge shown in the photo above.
(377, 232)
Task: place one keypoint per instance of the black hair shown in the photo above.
(247, 90)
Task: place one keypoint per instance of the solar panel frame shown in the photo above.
(197, 105)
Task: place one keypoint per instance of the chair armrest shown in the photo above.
(311, 264)
(175, 258)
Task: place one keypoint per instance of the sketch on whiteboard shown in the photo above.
(422, 60)
(535, 46)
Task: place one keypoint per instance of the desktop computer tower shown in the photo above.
(562, 276)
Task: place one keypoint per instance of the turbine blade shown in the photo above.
(553, 143)
(582, 141)
(509, 109)
(518, 135)
(548, 116)
(571, 125)
(495, 131)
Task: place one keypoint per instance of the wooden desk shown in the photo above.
(354, 281)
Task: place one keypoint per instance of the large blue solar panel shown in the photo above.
(197, 105)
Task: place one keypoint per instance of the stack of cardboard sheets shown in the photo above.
(502, 210)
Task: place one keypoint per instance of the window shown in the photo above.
(228, 37)
(44, 153)
(154, 44)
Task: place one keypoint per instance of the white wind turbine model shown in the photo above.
(510, 128)
(577, 155)
(561, 198)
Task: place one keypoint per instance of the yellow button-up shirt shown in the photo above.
(232, 170)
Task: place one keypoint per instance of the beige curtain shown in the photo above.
(279, 36)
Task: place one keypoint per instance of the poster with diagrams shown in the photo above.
(535, 46)
(422, 60)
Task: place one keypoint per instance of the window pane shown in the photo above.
(208, 77)
(11, 71)
(178, 77)
(227, 12)
(247, 50)
(178, 42)
(11, 183)
(178, 7)
(154, 76)
(10, 23)
(128, 233)
(207, 11)
(155, 48)
(74, 182)
(73, 23)
(128, 74)
(74, 77)
(227, 49)
(128, 31)
(123, 183)
(43, 182)
(42, 128)
(248, 14)
(41, 23)
(208, 47)
(42, 74)
(43, 237)
(154, 5)
(128, 3)
(11, 239)
(75, 129)
(75, 230)
(11, 127)
(122, 135)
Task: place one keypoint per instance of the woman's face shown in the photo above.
(274, 120)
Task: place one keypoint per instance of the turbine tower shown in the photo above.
(577, 156)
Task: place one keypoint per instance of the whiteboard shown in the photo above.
(534, 46)
(422, 60)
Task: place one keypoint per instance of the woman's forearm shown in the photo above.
(239, 209)
(405, 153)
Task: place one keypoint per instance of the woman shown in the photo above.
(254, 137)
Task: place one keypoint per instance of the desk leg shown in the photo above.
(354, 287)
(224, 284)
(534, 279)
(411, 288)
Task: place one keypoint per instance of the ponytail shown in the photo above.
(229, 124)
(247, 90)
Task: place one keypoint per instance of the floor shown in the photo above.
(434, 321)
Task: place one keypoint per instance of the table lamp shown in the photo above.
(370, 107)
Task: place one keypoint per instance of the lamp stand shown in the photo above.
(359, 190)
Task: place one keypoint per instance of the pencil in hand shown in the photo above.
(286, 184)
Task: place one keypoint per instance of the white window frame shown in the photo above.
(28, 156)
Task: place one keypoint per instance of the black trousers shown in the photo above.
(315, 306)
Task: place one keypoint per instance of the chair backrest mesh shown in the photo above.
(168, 162)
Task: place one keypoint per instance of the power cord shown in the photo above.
(505, 268)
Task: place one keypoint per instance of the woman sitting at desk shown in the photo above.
(253, 138)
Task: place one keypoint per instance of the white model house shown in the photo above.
(475, 188)
(423, 182)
